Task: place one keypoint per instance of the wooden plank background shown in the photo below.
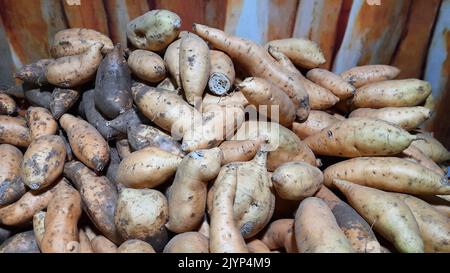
(411, 34)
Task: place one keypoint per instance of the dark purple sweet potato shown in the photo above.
(24, 242)
(62, 101)
(34, 73)
(131, 117)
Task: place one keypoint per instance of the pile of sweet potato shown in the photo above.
(206, 142)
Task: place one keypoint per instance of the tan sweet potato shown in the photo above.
(280, 234)
(172, 60)
(167, 84)
(63, 212)
(123, 148)
(332, 82)
(23, 242)
(393, 93)
(316, 229)
(101, 244)
(430, 102)
(301, 52)
(317, 120)
(188, 242)
(85, 243)
(7, 105)
(39, 227)
(390, 174)
(355, 137)
(34, 73)
(75, 70)
(147, 66)
(222, 73)
(235, 98)
(11, 185)
(41, 122)
(431, 147)
(444, 210)
(257, 246)
(74, 41)
(362, 75)
(86, 142)
(240, 150)
(421, 158)
(135, 246)
(147, 168)
(388, 214)
(407, 118)
(14, 131)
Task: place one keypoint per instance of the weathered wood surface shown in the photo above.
(87, 14)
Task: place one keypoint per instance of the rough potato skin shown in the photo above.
(43, 162)
(39, 226)
(101, 244)
(99, 197)
(135, 246)
(74, 41)
(34, 73)
(62, 101)
(388, 214)
(296, 180)
(147, 168)
(63, 212)
(75, 70)
(188, 242)
(11, 185)
(147, 66)
(356, 137)
(316, 229)
(141, 214)
(280, 234)
(434, 227)
(14, 131)
(195, 66)
(393, 93)
(187, 198)
(41, 122)
(41, 97)
(7, 104)
(24, 242)
(240, 150)
(361, 75)
(130, 118)
(172, 60)
(408, 118)
(431, 147)
(235, 98)
(85, 243)
(317, 120)
(332, 82)
(301, 52)
(257, 246)
(113, 85)
(390, 174)
(86, 142)
(412, 152)
(357, 230)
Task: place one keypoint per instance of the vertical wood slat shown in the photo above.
(412, 51)
(86, 14)
(437, 72)
(317, 20)
(190, 12)
(282, 14)
(372, 33)
(6, 63)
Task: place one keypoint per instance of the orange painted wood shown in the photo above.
(412, 50)
(233, 13)
(317, 20)
(30, 27)
(192, 11)
(215, 13)
(342, 24)
(282, 14)
(86, 14)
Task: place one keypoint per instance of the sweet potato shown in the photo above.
(154, 30)
(388, 214)
(394, 93)
(111, 171)
(194, 65)
(86, 142)
(204, 227)
(74, 41)
(147, 168)
(430, 102)
(101, 244)
(225, 235)
(167, 84)
(135, 246)
(113, 85)
(235, 98)
(62, 101)
(142, 136)
(127, 119)
(172, 60)
(362, 75)
(296, 180)
(187, 198)
(240, 150)
(43, 162)
(421, 158)
(41, 122)
(7, 105)
(69, 154)
(355, 137)
(11, 185)
(75, 70)
(280, 234)
(41, 97)
(222, 74)
(34, 73)
(147, 66)
(17, 90)
(61, 219)
(123, 148)
(39, 226)
(434, 227)
(317, 120)
(407, 118)
(255, 60)
(316, 229)
(188, 242)
(99, 197)
(332, 82)
(24, 242)
(301, 52)
(14, 131)
(269, 99)
(431, 147)
(357, 230)
(85, 243)
(141, 214)
(284, 145)
(257, 246)
(444, 210)
(390, 174)
(22, 211)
